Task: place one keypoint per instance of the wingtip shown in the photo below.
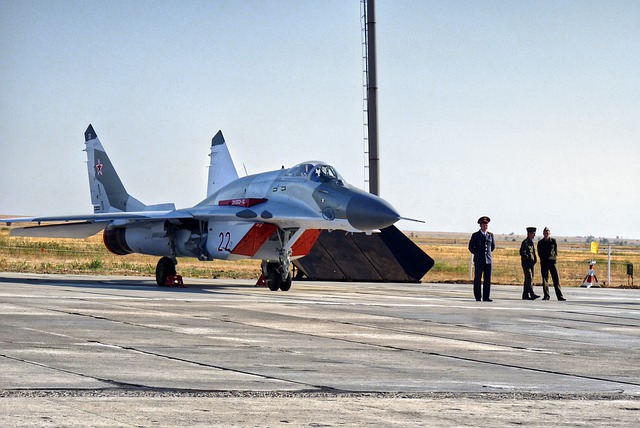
(89, 134)
(218, 139)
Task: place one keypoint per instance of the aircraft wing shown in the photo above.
(285, 215)
(83, 226)
(100, 217)
(82, 229)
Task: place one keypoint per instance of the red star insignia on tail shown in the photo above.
(99, 167)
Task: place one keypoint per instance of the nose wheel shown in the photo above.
(277, 277)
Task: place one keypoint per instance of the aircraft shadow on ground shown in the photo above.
(125, 284)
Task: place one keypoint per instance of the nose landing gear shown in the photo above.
(277, 277)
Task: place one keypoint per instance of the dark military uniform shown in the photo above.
(548, 253)
(528, 259)
(481, 245)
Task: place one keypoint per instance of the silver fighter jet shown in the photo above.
(274, 216)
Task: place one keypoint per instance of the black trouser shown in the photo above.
(545, 268)
(482, 269)
(527, 292)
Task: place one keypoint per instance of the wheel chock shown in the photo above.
(262, 282)
(174, 281)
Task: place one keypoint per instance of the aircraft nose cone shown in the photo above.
(368, 212)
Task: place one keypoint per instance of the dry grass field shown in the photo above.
(453, 259)
(449, 250)
(89, 256)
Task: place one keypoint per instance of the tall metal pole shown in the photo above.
(372, 101)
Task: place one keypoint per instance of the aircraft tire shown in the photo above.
(286, 284)
(273, 280)
(164, 269)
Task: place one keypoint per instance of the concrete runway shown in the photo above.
(119, 351)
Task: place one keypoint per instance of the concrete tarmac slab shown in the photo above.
(120, 351)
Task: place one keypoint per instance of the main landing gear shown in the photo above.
(165, 269)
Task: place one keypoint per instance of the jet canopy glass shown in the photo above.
(315, 171)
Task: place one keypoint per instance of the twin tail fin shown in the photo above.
(108, 194)
(222, 171)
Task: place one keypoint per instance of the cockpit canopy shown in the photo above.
(315, 171)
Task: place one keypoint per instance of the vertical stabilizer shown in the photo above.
(222, 171)
(107, 191)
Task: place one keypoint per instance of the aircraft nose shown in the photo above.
(368, 212)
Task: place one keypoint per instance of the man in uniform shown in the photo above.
(481, 244)
(528, 259)
(548, 253)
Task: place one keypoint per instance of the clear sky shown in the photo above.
(525, 111)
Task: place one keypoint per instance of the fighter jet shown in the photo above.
(274, 216)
